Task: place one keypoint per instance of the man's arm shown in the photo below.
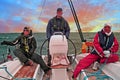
(67, 30)
(11, 43)
(48, 30)
(34, 46)
(97, 46)
(115, 46)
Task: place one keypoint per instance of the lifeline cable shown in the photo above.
(4, 78)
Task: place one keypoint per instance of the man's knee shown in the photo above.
(115, 57)
(35, 56)
(15, 52)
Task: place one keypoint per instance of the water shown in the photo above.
(40, 37)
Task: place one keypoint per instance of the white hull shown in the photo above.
(14, 66)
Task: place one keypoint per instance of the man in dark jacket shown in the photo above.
(27, 46)
(58, 24)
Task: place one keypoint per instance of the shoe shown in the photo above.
(47, 75)
(95, 66)
(29, 63)
(49, 72)
(73, 78)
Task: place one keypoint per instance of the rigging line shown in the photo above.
(76, 20)
(4, 78)
(43, 5)
(78, 25)
(78, 4)
(60, 4)
(85, 13)
(73, 12)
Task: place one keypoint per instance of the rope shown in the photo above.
(24, 79)
(43, 5)
(5, 68)
(4, 78)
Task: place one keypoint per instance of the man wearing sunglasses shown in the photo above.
(25, 51)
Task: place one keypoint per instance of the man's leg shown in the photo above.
(38, 59)
(49, 59)
(20, 54)
(49, 56)
(84, 63)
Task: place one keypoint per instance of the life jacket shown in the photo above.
(106, 42)
(25, 43)
(59, 27)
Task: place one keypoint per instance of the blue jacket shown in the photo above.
(57, 25)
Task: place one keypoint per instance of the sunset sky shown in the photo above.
(92, 14)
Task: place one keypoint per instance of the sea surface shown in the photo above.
(40, 38)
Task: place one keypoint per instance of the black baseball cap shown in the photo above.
(59, 9)
(26, 28)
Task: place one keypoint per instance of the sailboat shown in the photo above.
(62, 66)
(63, 63)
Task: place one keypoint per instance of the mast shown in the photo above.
(76, 20)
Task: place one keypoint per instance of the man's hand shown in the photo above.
(3, 43)
(106, 53)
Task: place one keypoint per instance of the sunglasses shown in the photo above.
(26, 30)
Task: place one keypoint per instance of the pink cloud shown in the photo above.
(3, 27)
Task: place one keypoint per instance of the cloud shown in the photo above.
(16, 14)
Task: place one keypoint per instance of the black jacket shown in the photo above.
(30, 40)
(57, 25)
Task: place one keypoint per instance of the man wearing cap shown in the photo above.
(58, 24)
(105, 47)
(25, 51)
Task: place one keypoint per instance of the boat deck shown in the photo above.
(71, 68)
(26, 71)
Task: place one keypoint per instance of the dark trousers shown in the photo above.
(49, 56)
(23, 57)
(89, 59)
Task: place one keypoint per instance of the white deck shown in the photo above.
(113, 70)
(13, 68)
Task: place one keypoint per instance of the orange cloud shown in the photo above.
(88, 13)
